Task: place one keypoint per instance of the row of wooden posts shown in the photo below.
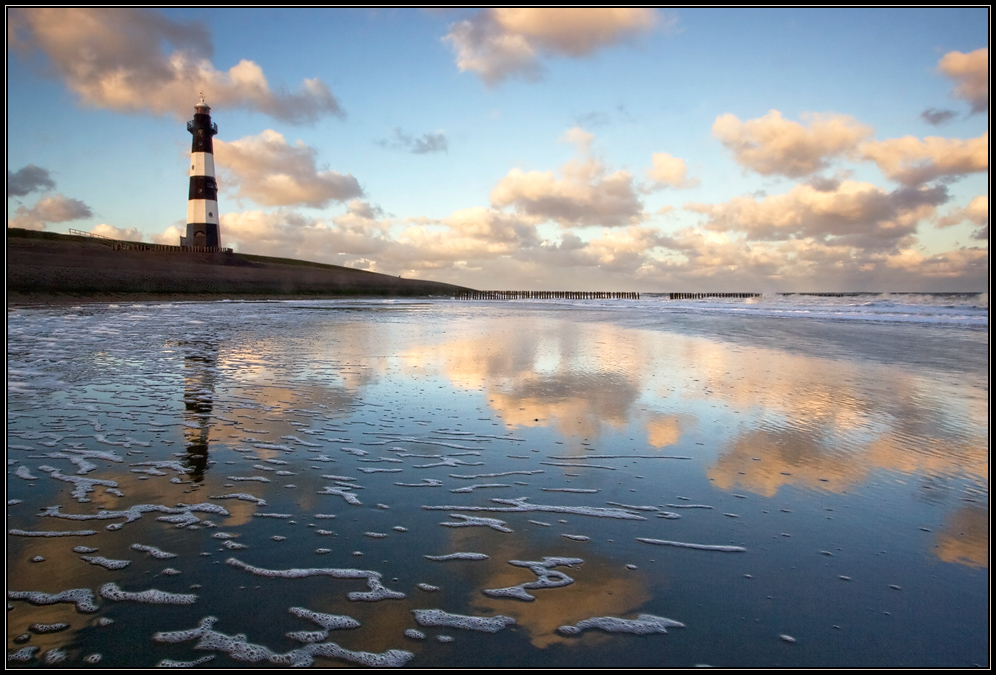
(587, 295)
(700, 296)
(547, 295)
(138, 246)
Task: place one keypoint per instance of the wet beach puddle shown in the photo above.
(273, 483)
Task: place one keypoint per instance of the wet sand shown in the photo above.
(477, 485)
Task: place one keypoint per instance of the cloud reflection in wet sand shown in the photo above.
(575, 416)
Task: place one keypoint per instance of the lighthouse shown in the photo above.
(202, 202)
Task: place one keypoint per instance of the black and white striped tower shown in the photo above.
(202, 203)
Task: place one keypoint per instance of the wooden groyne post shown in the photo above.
(701, 296)
(547, 295)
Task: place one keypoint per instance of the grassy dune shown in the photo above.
(48, 267)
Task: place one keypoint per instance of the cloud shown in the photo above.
(912, 161)
(722, 260)
(499, 43)
(428, 142)
(362, 238)
(284, 233)
(28, 179)
(55, 209)
(271, 172)
(772, 145)
(957, 264)
(129, 234)
(473, 234)
(854, 214)
(937, 117)
(171, 236)
(135, 60)
(971, 75)
(670, 171)
(976, 213)
(586, 194)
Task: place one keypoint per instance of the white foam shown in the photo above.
(486, 624)
(519, 505)
(49, 533)
(153, 551)
(22, 655)
(112, 591)
(350, 497)
(241, 496)
(24, 473)
(700, 547)
(170, 663)
(471, 488)
(377, 590)
(579, 466)
(644, 624)
(54, 656)
(81, 486)
(547, 577)
(497, 475)
(474, 521)
(106, 563)
(457, 556)
(83, 598)
(326, 621)
(239, 649)
(426, 482)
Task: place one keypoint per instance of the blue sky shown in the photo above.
(600, 149)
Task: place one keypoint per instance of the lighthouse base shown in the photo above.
(202, 234)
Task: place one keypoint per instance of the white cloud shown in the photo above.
(971, 74)
(127, 234)
(585, 194)
(772, 145)
(499, 43)
(976, 213)
(171, 237)
(114, 58)
(670, 171)
(270, 171)
(912, 161)
(55, 209)
(855, 214)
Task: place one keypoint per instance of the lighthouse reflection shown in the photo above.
(198, 402)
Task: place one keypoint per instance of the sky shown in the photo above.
(766, 150)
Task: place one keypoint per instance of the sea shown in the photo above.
(789, 480)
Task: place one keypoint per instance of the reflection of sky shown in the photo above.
(817, 422)
(883, 466)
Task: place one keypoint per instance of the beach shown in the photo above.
(786, 481)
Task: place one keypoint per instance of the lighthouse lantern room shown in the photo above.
(202, 202)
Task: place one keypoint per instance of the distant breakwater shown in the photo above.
(701, 296)
(588, 295)
(547, 295)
